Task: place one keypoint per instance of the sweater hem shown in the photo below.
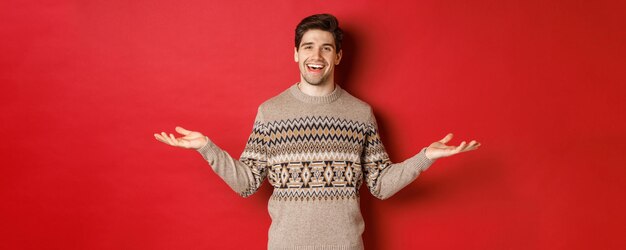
(320, 247)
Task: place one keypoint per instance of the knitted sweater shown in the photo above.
(316, 152)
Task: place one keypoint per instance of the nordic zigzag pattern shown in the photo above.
(314, 158)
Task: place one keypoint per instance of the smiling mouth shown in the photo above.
(315, 67)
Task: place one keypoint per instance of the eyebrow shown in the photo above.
(311, 43)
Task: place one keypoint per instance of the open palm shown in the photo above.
(190, 139)
(439, 148)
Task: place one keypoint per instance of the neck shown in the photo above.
(323, 89)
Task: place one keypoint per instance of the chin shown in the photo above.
(315, 82)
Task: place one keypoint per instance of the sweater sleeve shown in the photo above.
(384, 178)
(247, 174)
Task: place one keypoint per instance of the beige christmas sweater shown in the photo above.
(316, 152)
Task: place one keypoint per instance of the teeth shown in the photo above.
(315, 66)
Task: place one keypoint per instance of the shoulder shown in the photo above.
(353, 101)
(275, 102)
(356, 106)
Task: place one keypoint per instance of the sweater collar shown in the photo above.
(298, 94)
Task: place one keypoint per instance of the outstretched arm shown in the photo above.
(244, 176)
(385, 178)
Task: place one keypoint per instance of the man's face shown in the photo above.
(317, 57)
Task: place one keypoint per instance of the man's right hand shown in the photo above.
(191, 139)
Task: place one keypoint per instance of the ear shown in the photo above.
(339, 54)
(295, 54)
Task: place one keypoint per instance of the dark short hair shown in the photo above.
(325, 22)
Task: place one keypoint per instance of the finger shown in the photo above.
(471, 146)
(174, 141)
(446, 139)
(474, 145)
(460, 147)
(166, 138)
(182, 131)
(159, 138)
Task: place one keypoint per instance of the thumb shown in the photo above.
(182, 130)
(446, 139)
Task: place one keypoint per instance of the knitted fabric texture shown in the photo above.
(316, 152)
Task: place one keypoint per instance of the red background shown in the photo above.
(85, 84)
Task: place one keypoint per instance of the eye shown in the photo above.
(307, 47)
(328, 49)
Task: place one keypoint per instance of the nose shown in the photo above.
(317, 53)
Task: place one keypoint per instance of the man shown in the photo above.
(316, 143)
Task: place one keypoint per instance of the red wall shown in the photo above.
(85, 84)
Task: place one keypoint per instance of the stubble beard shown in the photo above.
(313, 80)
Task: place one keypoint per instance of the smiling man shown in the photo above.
(316, 144)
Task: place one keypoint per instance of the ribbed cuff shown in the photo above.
(422, 162)
(209, 151)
